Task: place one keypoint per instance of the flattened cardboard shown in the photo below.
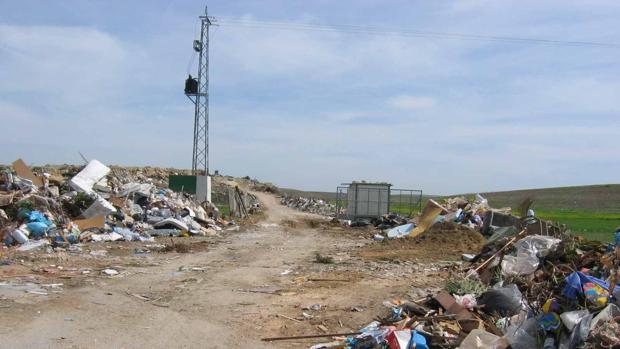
(94, 222)
(24, 171)
(465, 318)
(430, 212)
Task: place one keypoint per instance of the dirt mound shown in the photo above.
(444, 241)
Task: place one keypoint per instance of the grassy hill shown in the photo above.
(592, 211)
(591, 198)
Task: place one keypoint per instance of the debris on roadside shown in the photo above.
(525, 288)
(97, 203)
(310, 205)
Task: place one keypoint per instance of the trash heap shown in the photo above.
(474, 214)
(311, 205)
(96, 205)
(532, 285)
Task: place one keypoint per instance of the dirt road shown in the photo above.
(204, 308)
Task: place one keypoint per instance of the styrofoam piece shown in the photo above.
(91, 174)
(100, 207)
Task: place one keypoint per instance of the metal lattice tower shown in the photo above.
(200, 154)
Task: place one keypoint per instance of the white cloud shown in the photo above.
(406, 102)
(313, 109)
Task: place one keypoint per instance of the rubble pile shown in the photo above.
(96, 203)
(311, 205)
(264, 187)
(532, 285)
(475, 215)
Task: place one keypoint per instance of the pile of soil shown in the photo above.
(444, 241)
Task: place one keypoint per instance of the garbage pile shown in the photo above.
(473, 214)
(311, 205)
(526, 288)
(96, 205)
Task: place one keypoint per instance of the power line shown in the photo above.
(384, 31)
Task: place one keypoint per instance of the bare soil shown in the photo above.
(226, 292)
(443, 242)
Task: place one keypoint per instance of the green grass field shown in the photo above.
(591, 225)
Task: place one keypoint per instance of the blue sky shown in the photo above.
(310, 109)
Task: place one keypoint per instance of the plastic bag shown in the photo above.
(479, 339)
(524, 263)
(523, 336)
(570, 319)
(466, 301)
(575, 282)
(550, 322)
(538, 245)
(595, 294)
(36, 216)
(37, 229)
(610, 312)
(578, 335)
(505, 301)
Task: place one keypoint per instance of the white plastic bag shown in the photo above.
(524, 263)
(539, 245)
(479, 339)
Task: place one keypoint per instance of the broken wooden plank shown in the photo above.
(271, 339)
(287, 317)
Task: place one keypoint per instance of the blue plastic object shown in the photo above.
(72, 239)
(575, 281)
(37, 229)
(36, 216)
(417, 339)
(550, 322)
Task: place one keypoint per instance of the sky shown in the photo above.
(313, 109)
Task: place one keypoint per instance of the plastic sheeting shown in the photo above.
(540, 245)
(570, 319)
(172, 222)
(37, 229)
(143, 189)
(575, 281)
(529, 249)
(400, 231)
(611, 311)
(524, 263)
(578, 335)
(505, 301)
(479, 339)
(523, 335)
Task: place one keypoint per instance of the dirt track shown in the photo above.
(202, 299)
